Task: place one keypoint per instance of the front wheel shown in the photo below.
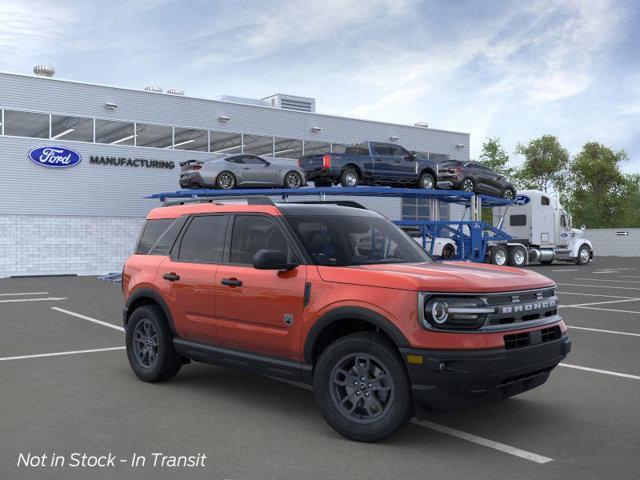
(584, 255)
(427, 182)
(448, 251)
(508, 194)
(362, 387)
(292, 180)
(149, 345)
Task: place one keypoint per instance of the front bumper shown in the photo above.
(449, 380)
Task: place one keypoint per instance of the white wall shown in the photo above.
(608, 243)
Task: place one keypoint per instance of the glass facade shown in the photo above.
(419, 209)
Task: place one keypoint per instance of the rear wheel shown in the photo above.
(448, 251)
(149, 344)
(292, 179)
(427, 182)
(517, 257)
(508, 194)
(225, 181)
(349, 178)
(362, 387)
(498, 256)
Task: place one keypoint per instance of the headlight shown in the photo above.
(454, 312)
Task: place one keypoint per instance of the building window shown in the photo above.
(26, 124)
(157, 136)
(419, 209)
(224, 142)
(190, 139)
(287, 148)
(316, 148)
(258, 145)
(71, 128)
(114, 133)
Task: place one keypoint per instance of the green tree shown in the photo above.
(600, 192)
(495, 157)
(545, 164)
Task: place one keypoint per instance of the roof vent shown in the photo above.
(175, 91)
(44, 71)
(422, 124)
(153, 88)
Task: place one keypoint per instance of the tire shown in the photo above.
(165, 363)
(349, 178)
(427, 182)
(468, 185)
(322, 182)
(225, 180)
(292, 180)
(517, 257)
(377, 412)
(498, 256)
(584, 255)
(448, 251)
(508, 194)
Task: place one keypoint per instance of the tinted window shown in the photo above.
(397, 151)
(517, 220)
(252, 160)
(252, 233)
(239, 159)
(357, 150)
(341, 240)
(151, 233)
(544, 200)
(204, 239)
(168, 238)
(381, 149)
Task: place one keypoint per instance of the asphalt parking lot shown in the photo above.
(67, 387)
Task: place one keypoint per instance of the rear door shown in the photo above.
(259, 310)
(403, 166)
(186, 279)
(382, 161)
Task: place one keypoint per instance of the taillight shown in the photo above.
(299, 162)
(326, 160)
(196, 167)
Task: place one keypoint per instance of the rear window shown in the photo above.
(517, 220)
(151, 232)
(357, 150)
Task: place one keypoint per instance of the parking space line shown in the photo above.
(89, 319)
(592, 303)
(605, 280)
(57, 354)
(592, 294)
(43, 299)
(599, 330)
(534, 457)
(597, 370)
(597, 286)
(485, 442)
(22, 293)
(608, 310)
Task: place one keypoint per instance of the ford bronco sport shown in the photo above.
(340, 298)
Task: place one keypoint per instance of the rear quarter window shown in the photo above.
(158, 236)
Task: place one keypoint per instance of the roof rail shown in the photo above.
(249, 199)
(340, 203)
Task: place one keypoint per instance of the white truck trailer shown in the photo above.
(540, 231)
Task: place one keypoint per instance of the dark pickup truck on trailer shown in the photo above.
(371, 163)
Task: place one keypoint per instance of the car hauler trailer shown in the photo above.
(539, 226)
(471, 236)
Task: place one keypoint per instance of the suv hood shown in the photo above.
(462, 277)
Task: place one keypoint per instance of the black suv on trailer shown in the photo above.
(474, 177)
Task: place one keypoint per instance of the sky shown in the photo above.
(514, 70)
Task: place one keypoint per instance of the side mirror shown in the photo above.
(272, 260)
(410, 156)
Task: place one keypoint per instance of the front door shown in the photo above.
(259, 310)
(257, 171)
(186, 279)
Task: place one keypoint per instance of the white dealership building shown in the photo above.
(84, 218)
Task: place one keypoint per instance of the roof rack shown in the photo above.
(249, 199)
(340, 203)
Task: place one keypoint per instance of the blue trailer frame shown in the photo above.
(472, 237)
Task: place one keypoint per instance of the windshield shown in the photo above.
(344, 240)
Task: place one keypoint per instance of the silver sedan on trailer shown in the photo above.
(241, 170)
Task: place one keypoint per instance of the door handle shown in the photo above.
(231, 282)
(246, 168)
(172, 277)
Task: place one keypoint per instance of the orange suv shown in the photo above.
(340, 298)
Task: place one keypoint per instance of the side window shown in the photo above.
(517, 220)
(381, 149)
(397, 151)
(544, 200)
(168, 238)
(253, 160)
(203, 242)
(151, 232)
(563, 221)
(252, 233)
(238, 159)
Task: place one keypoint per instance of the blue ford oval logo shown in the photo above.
(56, 157)
(521, 200)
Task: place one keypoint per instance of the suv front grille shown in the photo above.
(535, 337)
(519, 307)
